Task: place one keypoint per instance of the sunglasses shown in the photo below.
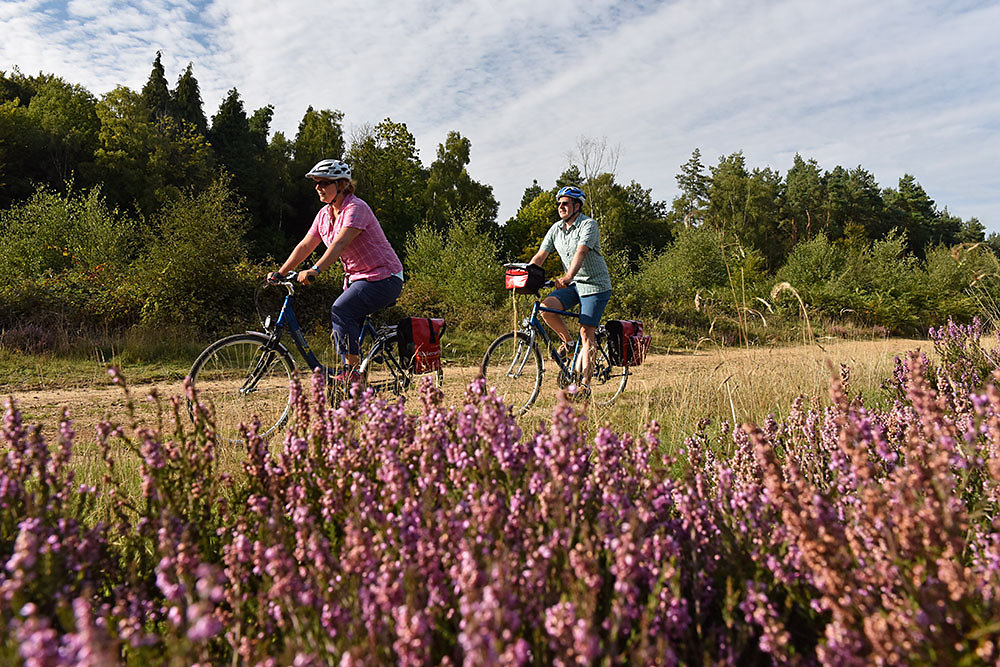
(323, 184)
(563, 203)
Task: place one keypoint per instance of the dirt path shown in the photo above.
(732, 378)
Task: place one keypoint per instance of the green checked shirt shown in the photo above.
(593, 276)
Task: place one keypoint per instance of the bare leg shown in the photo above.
(555, 321)
(589, 351)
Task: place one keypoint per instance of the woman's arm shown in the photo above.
(340, 243)
(299, 253)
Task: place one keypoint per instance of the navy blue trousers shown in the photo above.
(360, 299)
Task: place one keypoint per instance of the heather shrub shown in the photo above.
(381, 532)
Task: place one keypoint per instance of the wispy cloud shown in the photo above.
(894, 86)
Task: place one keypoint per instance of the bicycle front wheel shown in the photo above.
(242, 378)
(513, 365)
(608, 382)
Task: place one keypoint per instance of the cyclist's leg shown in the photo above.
(360, 299)
(591, 310)
(560, 299)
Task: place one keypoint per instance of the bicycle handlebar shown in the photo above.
(287, 281)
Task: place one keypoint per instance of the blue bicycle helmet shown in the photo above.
(573, 192)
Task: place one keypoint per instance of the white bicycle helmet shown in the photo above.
(330, 169)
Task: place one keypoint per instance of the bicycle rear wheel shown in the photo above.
(608, 382)
(513, 365)
(240, 377)
(382, 371)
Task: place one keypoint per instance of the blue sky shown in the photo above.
(895, 86)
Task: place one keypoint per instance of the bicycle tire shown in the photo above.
(506, 365)
(241, 379)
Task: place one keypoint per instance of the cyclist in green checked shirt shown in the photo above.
(575, 236)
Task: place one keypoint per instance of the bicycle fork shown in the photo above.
(522, 352)
(260, 366)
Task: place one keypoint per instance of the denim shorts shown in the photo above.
(591, 306)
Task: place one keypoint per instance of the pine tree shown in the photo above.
(187, 103)
(155, 94)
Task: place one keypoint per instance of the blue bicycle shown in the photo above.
(249, 374)
(514, 363)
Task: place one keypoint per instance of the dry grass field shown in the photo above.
(676, 390)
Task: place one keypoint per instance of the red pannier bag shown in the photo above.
(420, 343)
(627, 345)
(523, 278)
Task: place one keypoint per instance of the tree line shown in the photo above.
(153, 168)
(142, 148)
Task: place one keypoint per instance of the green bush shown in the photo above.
(697, 274)
(65, 256)
(457, 274)
(812, 265)
(955, 281)
(53, 232)
(189, 273)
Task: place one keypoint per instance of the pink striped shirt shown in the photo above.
(369, 256)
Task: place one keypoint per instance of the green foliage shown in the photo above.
(146, 164)
(390, 178)
(450, 189)
(457, 273)
(667, 283)
(950, 276)
(155, 94)
(52, 232)
(693, 182)
(65, 256)
(66, 115)
(186, 104)
(812, 268)
(524, 232)
(803, 198)
(193, 269)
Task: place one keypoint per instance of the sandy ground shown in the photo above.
(704, 375)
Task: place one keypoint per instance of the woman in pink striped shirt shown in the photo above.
(373, 273)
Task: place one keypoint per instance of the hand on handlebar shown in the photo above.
(274, 277)
(561, 282)
(306, 277)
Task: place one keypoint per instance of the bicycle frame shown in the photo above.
(534, 323)
(288, 321)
